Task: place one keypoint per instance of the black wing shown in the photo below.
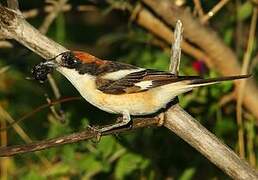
(139, 81)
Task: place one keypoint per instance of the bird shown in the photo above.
(122, 88)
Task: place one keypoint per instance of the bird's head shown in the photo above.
(74, 59)
(68, 59)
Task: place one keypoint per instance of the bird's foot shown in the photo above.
(97, 132)
(161, 117)
(122, 122)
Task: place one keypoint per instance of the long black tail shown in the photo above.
(203, 82)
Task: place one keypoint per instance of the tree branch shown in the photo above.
(13, 25)
(176, 119)
(224, 59)
(210, 146)
(147, 20)
(86, 134)
(176, 49)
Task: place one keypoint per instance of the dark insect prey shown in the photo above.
(40, 71)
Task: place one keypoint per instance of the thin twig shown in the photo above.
(213, 11)
(245, 66)
(5, 44)
(198, 8)
(89, 133)
(250, 129)
(46, 9)
(176, 49)
(39, 108)
(49, 8)
(254, 63)
(208, 40)
(5, 117)
(4, 69)
(60, 114)
(147, 20)
(227, 98)
(3, 161)
(239, 29)
(57, 8)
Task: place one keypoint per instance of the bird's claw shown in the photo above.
(97, 131)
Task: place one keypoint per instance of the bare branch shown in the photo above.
(153, 24)
(240, 93)
(212, 148)
(57, 8)
(13, 25)
(213, 11)
(89, 133)
(5, 44)
(176, 49)
(5, 116)
(198, 8)
(223, 59)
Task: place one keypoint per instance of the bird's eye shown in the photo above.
(69, 60)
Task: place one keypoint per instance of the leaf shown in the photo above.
(106, 146)
(227, 86)
(228, 36)
(89, 163)
(245, 11)
(57, 128)
(187, 174)
(32, 175)
(225, 126)
(129, 163)
(60, 28)
(68, 153)
(84, 123)
(161, 61)
(58, 169)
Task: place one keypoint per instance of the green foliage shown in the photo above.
(57, 170)
(245, 11)
(129, 163)
(32, 175)
(228, 36)
(187, 174)
(225, 127)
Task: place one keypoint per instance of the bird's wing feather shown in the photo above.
(138, 81)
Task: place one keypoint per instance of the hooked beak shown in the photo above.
(54, 62)
(51, 63)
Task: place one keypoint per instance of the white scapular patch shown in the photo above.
(144, 84)
(120, 74)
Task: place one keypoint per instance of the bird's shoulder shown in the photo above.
(133, 80)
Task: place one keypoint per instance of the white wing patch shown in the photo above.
(120, 74)
(144, 84)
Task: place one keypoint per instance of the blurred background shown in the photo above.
(130, 31)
